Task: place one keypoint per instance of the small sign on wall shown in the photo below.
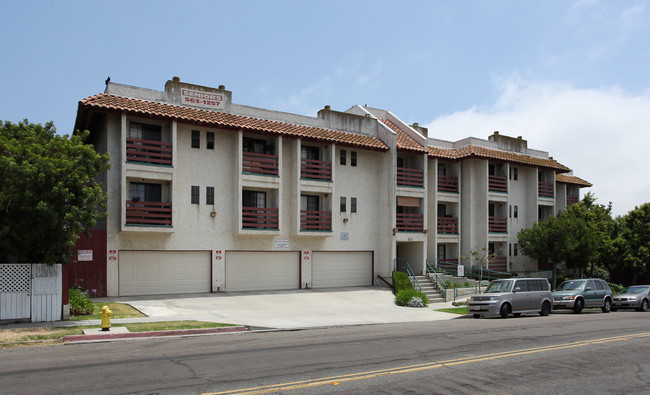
(202, 99)
(461, 271)
(112, 255)
(281, 244)
(345, 236)
(305, 255)
(84, 255)
(217, 255)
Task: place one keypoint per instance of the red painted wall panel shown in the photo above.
(90, 275)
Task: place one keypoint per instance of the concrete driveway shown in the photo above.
(306, 308)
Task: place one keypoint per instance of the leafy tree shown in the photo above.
(48, 192)
(634, 240)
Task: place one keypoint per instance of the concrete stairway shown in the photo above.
(429, 289)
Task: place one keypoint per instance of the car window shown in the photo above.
(523, 285)
(599, 285)
(499, 286)
(636, 290)
(544, 286)
(590, 284)
(534, 285)
(571, 285)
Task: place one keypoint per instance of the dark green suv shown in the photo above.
(583, 293)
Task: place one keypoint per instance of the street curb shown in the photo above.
(133, 335)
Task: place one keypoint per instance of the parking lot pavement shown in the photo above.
(307, 308)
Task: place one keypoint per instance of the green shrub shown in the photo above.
(402, 298)
(401, 281)
(447, 284)
(616, 288)
(80, 303)
(466, 284)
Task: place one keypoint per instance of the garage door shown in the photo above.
(341, 269)
(164, 272)
(262, 271)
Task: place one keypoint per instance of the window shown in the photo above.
(196, 139)
(309, 202)
(195, 194)
(254, 199)
(442, 210)
(510, 249)
(343, 159)
(142, 192)
(510, 211)
(145, 131)
(343, 207)
(514, 174)
(257, 146)
(353, 158)
(209, 195)
(515, 212)
(515, 249)
(442, 169)
(353, 205)
(442, 252)
(308, 152)
(209, 138)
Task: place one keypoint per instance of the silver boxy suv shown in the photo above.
(513, 296)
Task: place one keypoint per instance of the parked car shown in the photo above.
(634, 297)
(582, 293)
(513, 296)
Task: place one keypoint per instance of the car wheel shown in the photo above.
(476, 316)
(644, 305)
(577, 307)
(505, 310)
(546, 309)
(607, 307)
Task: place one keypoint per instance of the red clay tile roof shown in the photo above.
(108, 102)
(404, 141)
(473, 151)
(567, 179)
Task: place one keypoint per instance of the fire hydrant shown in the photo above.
(106, 318)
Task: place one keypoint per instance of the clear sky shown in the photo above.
(571, 77)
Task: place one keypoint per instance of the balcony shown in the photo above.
(410, 222)
(148, 213)
(315, 220)
(316, 169)
(498, 263)
(148, 151)
(448, 225)
(497, 184)
(497, 224)
(545, 189)
(410, 177)
(572, 199)
(447, 184)
(260, 218)
(260, 163)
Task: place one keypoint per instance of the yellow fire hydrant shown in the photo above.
(106, 318)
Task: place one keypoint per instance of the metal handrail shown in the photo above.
(409, 272)
(431, 272)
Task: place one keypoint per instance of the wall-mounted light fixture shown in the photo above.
(394, 231)
(426, 231)
(213, 214)
(345, 220)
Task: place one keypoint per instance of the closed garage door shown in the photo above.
(341, 269)
(262, 271)
(164, 272)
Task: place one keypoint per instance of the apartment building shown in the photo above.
(206, 195)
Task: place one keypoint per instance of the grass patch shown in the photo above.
(456, 310)
(53, 335)
(120, 310)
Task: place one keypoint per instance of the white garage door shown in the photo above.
(164, 272)
(262, 271)
(341, 269)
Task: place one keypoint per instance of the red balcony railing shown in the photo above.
(410, 222)
(315, 169)
(148, 213)
(148, 151)
(498, 263)
(447, 184)
(260, 163)
(259, 218)
(545, 189)
(315, 220)
(497, 184)
(410, 177)
(448, 262)
(497, 224)
(571, 199)
(448, 225)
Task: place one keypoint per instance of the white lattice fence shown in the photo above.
(31, 291)
(15, 291)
